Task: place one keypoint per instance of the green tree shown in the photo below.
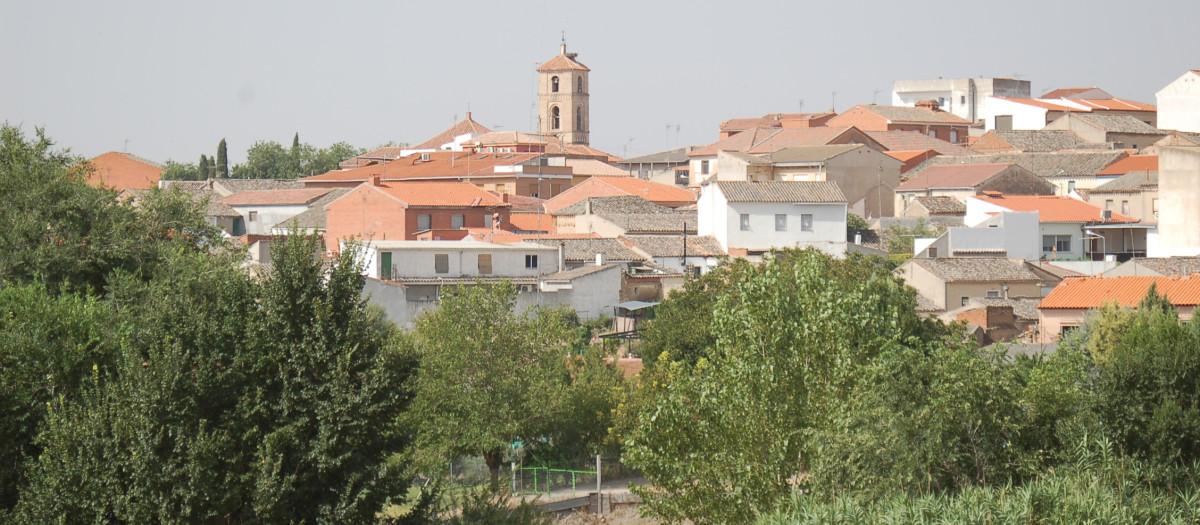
(489, 377)
(682, 322)
(730, 436)
(222, 160)
(265, 160)
(177, 171)
(232, 400)
(205, 167)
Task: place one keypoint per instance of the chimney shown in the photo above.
(376, 180)
(504, 197)
(931, 105)
(599, 259)
(562, 257)
(468, 115)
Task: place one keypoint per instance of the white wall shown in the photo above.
(829, 225)
(710, 215)
(1179, 104)
(268, 216)
(415, 259)
(1024, 116)
(1074, 229)
(1179, 197)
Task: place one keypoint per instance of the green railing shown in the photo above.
(543, 480)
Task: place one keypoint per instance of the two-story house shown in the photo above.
(750, 219)
(1070, 229)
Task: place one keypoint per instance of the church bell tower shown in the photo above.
(563, 98)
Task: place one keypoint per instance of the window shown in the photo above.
(806, 222)
(745, 221)
(704, 167)
(441, 263)
(579, 119)
(579, 84)
(780, 222)
(385, 265)
(942, 102)
(932, 252)
(954, 136)
(1066, 329)
(555, 189)
(501, 188)
(531, 261)
(253, 217)
(424, 221)
(1070, 186)
(1108, 204)
(554, 84)
(1125, 207)
(962, 99)
(1056, 243)
(1004, 123)
(993, 293)
(554, 120)
(933, 133)
(457, 221)
(965, 300)
(533, 190)
(485, 263)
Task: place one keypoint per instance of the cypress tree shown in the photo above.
(222, 160)
(205, 167)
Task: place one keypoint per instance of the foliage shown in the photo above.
(682, 323)
(728, 436)
(70, 236)
(270, 160)
(1097, 487)
(178, 171)
(489, 377)
(855, 223)
(231, 400)
(48, 346)
(222, 160)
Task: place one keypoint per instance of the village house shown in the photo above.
(864, 175)
(622, 215)
(759, 141)
(949, 283)
(732, 127)
(1064, 309)
(261, 210)
(1134, 191)
(1122, 131)
(750, 219)
(1069, 228)
(959, 181)
(680, 252)
(1068, 170)
(1014, 113)
(399, 210)
(666, 167)
(926, 117)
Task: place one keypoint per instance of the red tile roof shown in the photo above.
(442, 194)
(915, 140)
(1055, 208)
(1092, 292)
(532, 222)
(274, 197)
(953, 176)
(907, 155)
(121, 171)
(1131, 163)
(562, 62)
(462, 128)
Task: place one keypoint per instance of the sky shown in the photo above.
(169, 80)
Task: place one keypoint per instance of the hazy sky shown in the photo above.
(175, 77)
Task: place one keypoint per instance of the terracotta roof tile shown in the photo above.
(441, 165)
(1039, 140)
(1055, 208)
(672, 245)
(595, 168)
(1115, 104)
(1128, 291)
(1131, 163)
(273, 197)
(119, 171)
(913, 114)
(1067, 92)
(531, 222)
(915, 140)
(767, 140)
(565, 62)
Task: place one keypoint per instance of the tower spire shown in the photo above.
(562, 46)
